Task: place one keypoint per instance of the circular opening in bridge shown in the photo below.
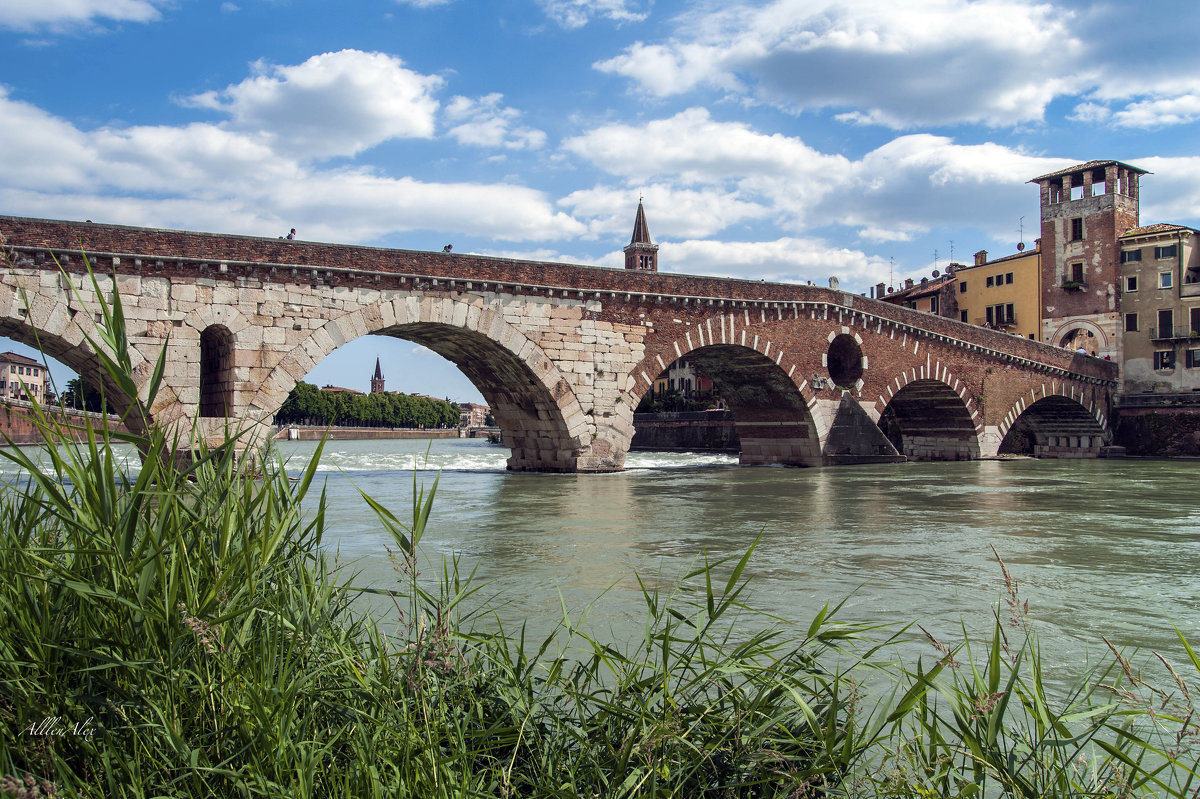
(845, 360)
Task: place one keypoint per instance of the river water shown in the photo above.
(1099, 547)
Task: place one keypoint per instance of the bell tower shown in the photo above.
(377, 380)
(641, 253)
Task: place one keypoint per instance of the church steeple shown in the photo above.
(641, 253)
(377, 380)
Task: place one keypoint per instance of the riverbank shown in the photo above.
(204, 646)
(299, 433)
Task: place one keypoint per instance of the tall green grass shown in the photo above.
(177, 630)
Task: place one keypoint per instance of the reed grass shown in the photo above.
(177, 630)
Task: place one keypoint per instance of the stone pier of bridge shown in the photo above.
(562, 354)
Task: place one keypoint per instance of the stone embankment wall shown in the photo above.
(17, 424)
(357, 433)
(1159, 426)
(699, 430)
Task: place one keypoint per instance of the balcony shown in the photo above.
(1174, 333)
(1191, 284)
(1074, 285)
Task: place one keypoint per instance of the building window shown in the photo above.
(1166, 252)
(1131, 283)
(1195, 318)
(1193, 359)
(1166, 323)
(1003, 314)
(1077, 272)
(1164, 280)
(1130, 256)
(991, 281)
(1008, 278)
(933, 304)
(1077, 229)
(1131, 323)
(962, 316)
(962, 287)
(1164, 359)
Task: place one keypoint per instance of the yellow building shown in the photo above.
(1004, 294)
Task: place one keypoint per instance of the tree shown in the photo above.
(82, 395)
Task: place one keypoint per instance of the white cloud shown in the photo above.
(707, 175)
(333, 104)
(61, 14)
(424, 3)
(788, 259)
(671, 212)
(204, 176)
(577, 13)
(694, 148)
(998, 62)
(1181, 110)
(486, 123)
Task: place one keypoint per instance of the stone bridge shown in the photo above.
(562, 353)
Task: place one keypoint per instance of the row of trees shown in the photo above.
(308, 404)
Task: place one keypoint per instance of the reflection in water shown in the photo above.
(1099, 547)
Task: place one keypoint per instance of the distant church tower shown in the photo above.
(641, 252)
(377, 380)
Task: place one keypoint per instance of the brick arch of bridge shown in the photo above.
(538, 413)
(760, 383)
(1055, 420)
(917, 397)
(54, 320)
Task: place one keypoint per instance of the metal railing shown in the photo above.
(1175, 332)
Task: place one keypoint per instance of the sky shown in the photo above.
(785, 140)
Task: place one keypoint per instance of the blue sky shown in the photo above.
(785, 140)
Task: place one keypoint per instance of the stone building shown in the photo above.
(472, 414)
(377, 379)
(1084, 211)
(21, 377)
(1003, 294)
(936, 296)
(1160, 306)
(641, 253)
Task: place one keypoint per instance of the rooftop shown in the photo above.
(1162, 227)
(1085, 167)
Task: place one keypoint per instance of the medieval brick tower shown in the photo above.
(377, 380)
(641, 253)
(1084, 209)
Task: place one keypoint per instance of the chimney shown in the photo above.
(908, 282)
(880, 290)
(981, 258)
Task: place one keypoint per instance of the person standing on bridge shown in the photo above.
(291, 234)
(448, 248)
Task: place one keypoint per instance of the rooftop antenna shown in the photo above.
(935, 258)
(891, 269)
(1021, 231)
(951, 251)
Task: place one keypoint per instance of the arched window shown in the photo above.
(216, 372)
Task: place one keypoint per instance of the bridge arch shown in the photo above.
(539, 414)
(927, 420)
(773, 414)
(50, 318)
(1057, 425)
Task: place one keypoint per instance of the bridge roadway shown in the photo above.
(562, 353)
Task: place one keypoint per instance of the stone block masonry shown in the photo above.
(562, 353)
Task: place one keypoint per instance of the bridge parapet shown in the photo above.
(564, 352)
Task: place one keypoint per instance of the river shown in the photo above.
(1098, 547)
